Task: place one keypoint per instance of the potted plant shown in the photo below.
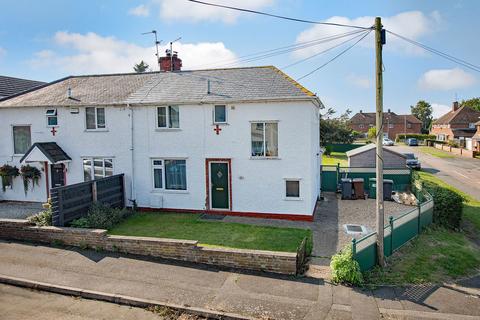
(29, 173)
(7, 173)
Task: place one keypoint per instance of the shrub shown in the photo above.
(328, 150)
(452, 143)
(101, 216)
(419, 137)
(43, 218)
(345, 269)
(448, 205)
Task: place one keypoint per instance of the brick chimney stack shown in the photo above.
(170, 60)
(455, 106)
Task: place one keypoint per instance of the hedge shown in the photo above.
(414, 135)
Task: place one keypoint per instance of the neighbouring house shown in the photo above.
(457, 125)
(476, 138)
(365, 157)
(10, 86)
(393, 123)
(240, 141)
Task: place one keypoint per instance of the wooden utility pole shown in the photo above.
(379, 38)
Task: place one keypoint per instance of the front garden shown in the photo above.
(334, 158)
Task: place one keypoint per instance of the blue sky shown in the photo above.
(46, 40)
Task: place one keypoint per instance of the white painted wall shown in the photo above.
(258, 185)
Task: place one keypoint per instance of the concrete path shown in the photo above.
(19, 210)
(461, 172)
(252, 295)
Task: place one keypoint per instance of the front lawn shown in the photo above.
(438, 254)
(215, 233)
(436, 152)
(334, 158)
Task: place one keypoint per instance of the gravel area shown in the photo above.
(19, 210)
(329, 234)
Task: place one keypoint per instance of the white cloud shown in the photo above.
(411, 24)
(3, 52)
(92, 53)
(359, 80)
(189, 11)
(140, 11)
(446, 79)
(440, 109)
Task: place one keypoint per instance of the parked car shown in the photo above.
(388, 142)
(412, 142)
(412, 161)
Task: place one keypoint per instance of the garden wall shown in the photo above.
(458, 151)
(185, 250)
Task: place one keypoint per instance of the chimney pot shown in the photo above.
(170, 62)
(361, 111)
(455, 106)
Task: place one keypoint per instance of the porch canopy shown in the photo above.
(48, 152)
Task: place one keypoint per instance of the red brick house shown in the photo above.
(458, 124)
(476, 138)
(393, 123)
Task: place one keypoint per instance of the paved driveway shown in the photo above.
(19, 210)
(462, 173)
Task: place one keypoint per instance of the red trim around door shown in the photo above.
(45, 166)
(207, 181)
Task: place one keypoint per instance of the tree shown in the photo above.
(141, 67)
(372, 133)
(335, 130)
(423, 111)
(473, 103)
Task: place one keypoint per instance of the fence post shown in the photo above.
(390, 221)
(419, 220)
(94, 191)
(61, 218)
(354, 247)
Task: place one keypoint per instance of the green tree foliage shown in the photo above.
(372, 133)
(335, 130)
(473, 103)
(423, 111)
(141, 67)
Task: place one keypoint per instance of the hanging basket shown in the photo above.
(8, 173)
(30, 173)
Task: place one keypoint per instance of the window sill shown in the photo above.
(96, 130)
(220, 124)
(167, 129)
(170, 191)
(264, 158)
(292, 199)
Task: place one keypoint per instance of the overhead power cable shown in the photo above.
(335, 57)
(278, 16)
(444, 55)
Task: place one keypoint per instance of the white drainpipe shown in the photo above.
(132, 152)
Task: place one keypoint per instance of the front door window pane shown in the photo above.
(257, 139)
(175, 175)
(21, 139)
(174, 121)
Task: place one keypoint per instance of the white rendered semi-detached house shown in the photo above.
(242, 141)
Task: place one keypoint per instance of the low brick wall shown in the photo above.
(185, 250)
(457, 151)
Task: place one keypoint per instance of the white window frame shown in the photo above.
(162, 166)
(92, 166)
(299, 180)
(104, 128)
(361, 126)
(51, 113)
(264, 130)
(409, 125)
(226, 114)
(13, 137)
(167, 115)
(391, 126)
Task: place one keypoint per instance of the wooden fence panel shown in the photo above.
(73, 201)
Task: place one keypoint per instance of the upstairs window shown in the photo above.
(220, 114)
(264, 136)
(22, 139)
(361, 126)
(51, 115)
(95, 118)
(168, 117)
(409, 125)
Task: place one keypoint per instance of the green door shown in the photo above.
(219, 185)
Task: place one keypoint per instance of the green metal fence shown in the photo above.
(396, 233)
(331, 175)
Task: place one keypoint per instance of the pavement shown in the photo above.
(19, 210)
(461, 172)
(254, 295)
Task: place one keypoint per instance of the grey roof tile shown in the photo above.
(10, 86)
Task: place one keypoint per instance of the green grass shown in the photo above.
(436, 152)
(334, 158)
(213, 233)
(437, 255)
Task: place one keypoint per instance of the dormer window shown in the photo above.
(52, 119)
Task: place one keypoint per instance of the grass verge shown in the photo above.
(334, 158)
(213, 233)
(436, 152)
(438, 254)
